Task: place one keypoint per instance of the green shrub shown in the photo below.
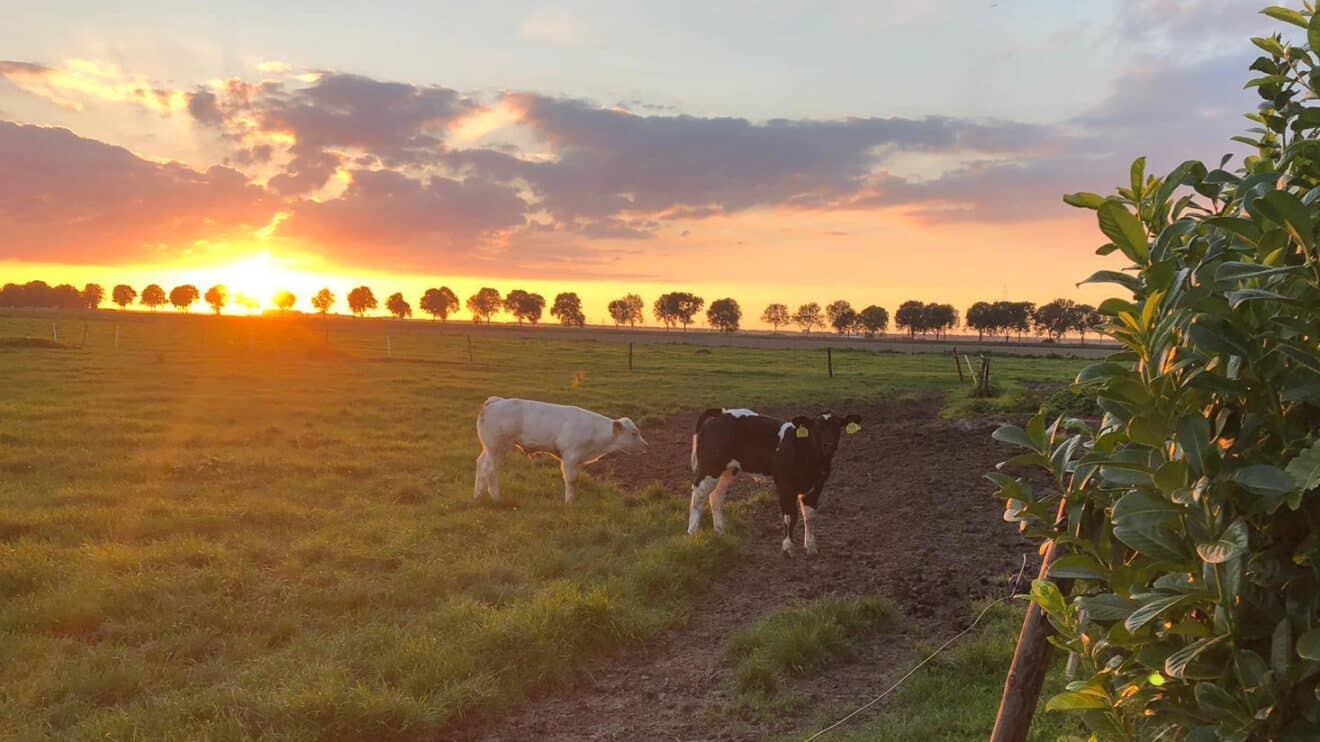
(1192, 525)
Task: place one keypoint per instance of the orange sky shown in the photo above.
(286, 156)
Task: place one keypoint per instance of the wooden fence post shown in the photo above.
(469, 346)
(957, 364)
(54, 332)
(1031, 660)
(630, 349)
(116, 337)
(829, 361)
(389, 350)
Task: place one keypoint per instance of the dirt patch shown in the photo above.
(906, 514)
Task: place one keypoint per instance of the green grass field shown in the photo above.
(231, 528)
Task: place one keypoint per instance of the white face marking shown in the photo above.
(783, 430)
(826, 416)
(734, 465)
(740, 412)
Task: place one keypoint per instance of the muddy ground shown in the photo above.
(906, 514)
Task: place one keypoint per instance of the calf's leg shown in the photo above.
(788, 515)
(717, 499)
(569, 468)
(479, 480)
(808, 519)
(491, 474)
(700, 489)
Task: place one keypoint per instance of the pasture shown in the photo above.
(233, 528)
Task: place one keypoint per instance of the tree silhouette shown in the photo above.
(628, 310)
(981, 317)
(724, 315)
(153, 296)
(524, 306)
(361, 301)
(940, 318)
(123, 295)
(677, 308)
(841, 316)
(324, 299)
(777, 316)
(92, 295)
(284, 300)
(568, 308)
(216, 297)
(398, 306)
(440, 302)
(808, 317)
(911, 315)
(1088, 319)
(1056, 318)
(182, 297)
(484, 304)
(873, 320)
(41, 294)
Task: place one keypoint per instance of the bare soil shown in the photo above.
(906, 514)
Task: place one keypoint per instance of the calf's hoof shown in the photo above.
(811, 549)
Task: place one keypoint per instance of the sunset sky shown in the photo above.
(873, 151)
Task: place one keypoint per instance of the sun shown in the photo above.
(254, 281)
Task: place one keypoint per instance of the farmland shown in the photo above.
(233, 528)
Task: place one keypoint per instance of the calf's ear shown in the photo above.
(852, 424)
(618, 427)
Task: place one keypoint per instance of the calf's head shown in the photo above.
(627, 437)
(823, 432)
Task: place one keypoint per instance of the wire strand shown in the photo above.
(911, 672)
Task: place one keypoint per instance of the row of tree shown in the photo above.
(674, 309)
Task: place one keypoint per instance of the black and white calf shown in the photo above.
(796, 453)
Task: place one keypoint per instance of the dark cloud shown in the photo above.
(407, 221)
(611, 165)
(63, 197)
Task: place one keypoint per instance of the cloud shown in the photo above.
(397, 124)
(78, 81)
(617, 172)
(66, 198)
(406, 221)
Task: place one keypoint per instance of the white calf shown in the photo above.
(572, 435)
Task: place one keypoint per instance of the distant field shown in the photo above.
(263, 527)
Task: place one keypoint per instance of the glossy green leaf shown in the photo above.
(1308, 645)
(1123, 229)
(1305, 468)
(1232, 543)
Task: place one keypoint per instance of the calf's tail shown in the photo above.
(701, 420)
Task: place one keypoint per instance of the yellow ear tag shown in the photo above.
(803, 432)
(853, 428)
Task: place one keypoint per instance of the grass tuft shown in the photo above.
(800, 641)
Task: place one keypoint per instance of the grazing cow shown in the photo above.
(572, 435)
(796, 453)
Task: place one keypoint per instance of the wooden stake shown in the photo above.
(389, 351)
(829, 361)
(957, 364)
(630, 357)
(116, 337)
(54, 333)
(1031, 660)
(469, 346)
